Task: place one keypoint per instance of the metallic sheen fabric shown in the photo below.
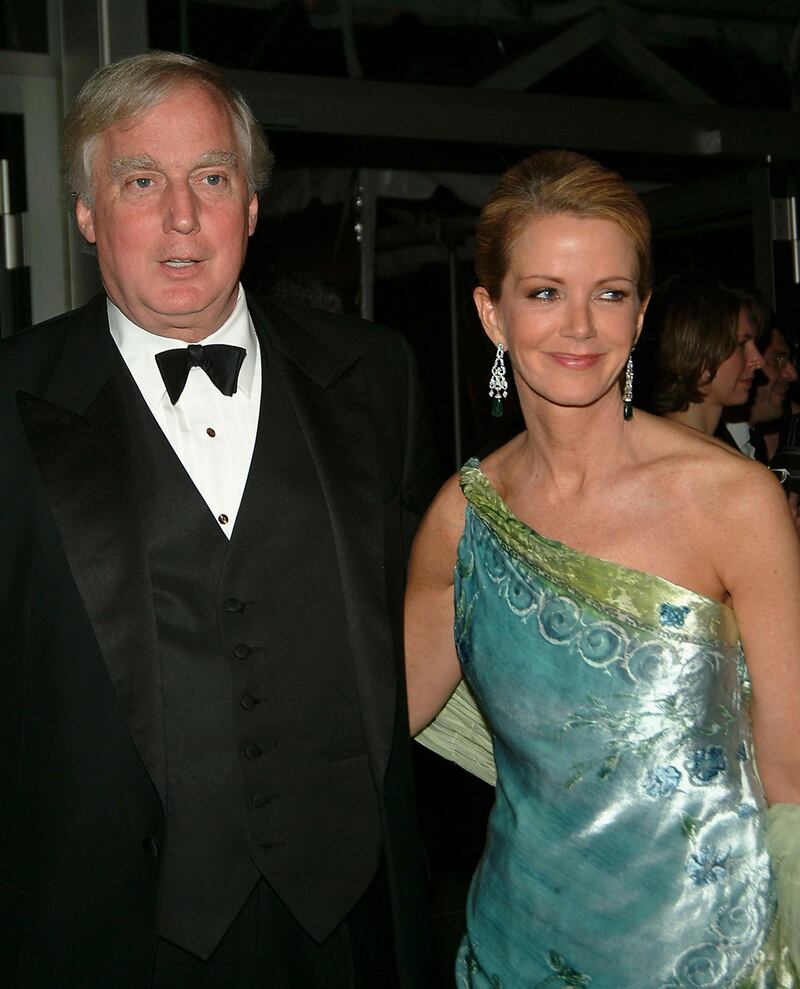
(626, 848)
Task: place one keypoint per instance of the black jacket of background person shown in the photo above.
(82, 773)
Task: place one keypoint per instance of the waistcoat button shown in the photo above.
(232, 604)
(252, 751)
(247, 702)
(241, 651)
(150, 846)
(260, 800)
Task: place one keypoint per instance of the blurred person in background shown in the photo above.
(707, 355)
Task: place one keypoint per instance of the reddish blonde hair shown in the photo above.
(550, 182)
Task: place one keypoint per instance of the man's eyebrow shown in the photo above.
(130, 163)
(210, 158)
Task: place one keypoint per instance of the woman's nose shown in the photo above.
(754, 358)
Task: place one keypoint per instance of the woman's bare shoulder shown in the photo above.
(442, 525)
(444, 520)
(666, 439)
(449, 502)
(704, 471)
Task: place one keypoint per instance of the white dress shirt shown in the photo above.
(212, 434)
(740, 431)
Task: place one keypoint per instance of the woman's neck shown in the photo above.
(573, 447)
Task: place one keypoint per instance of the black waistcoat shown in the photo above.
(267, 772)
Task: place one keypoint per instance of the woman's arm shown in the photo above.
(432, 668)
(760, 567)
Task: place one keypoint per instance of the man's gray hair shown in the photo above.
(135, 85)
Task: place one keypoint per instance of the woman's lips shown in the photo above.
(575, 362)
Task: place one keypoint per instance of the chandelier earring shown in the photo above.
(498, 385)
(627, 394)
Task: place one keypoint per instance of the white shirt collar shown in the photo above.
(740, 431)
(139, 348)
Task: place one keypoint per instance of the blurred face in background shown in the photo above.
(769, 399)
(734, 378)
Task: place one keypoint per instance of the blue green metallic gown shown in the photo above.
(625, 849)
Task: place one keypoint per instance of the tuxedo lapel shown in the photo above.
(78, 434)
(331, 399)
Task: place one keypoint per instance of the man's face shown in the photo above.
(769, 400)
(171, 215)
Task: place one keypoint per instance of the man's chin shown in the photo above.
(188, 319)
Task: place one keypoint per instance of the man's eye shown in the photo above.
(141, 182)
(215, 179)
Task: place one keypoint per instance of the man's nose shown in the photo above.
(181, 212)
(789, 371)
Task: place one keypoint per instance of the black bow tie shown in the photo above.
(220, 361)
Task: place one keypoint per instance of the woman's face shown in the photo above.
(734, 378)
(569, 310)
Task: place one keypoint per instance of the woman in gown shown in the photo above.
(600, 610)
(707, 354)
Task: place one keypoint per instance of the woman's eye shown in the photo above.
(613, 295)
(546, 294)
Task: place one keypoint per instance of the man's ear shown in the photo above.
(252, 214)
(84, 217)
(489, 316)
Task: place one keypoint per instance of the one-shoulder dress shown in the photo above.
(625, 849)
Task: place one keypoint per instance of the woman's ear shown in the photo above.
(489, 316)
(640, 317)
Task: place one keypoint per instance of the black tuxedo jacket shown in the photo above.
(82, 774)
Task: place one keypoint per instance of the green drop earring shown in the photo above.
(498, 386)
(627, 395)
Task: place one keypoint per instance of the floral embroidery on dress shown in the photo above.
(707, 865)
(661, 782)
(673, 615)
(563, 975)
(706, 764)
(473, 968)
(627, 732)
(690, 826)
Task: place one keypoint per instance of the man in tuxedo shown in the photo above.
(203, 739)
